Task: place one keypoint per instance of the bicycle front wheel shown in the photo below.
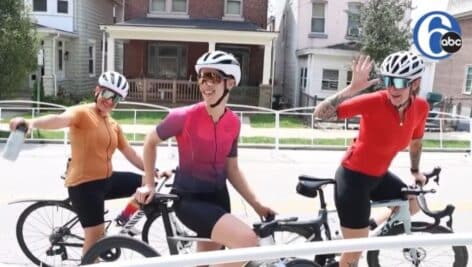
(287, 234)
(444, 256)
(49, 234)
(118, 248)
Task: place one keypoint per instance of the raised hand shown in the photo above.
(361, 68)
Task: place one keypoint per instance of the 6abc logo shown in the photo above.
(437, 35)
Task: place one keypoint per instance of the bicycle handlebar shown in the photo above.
(267, 228)
(420, 192)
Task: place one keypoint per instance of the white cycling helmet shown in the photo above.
(115, 82)
(403, 64)
(221, 61)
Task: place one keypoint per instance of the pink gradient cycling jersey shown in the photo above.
(381, 133)
(204, 146)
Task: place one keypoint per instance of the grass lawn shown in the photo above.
(122, 117)
(340, 142)
(268, 121)
(142, 117)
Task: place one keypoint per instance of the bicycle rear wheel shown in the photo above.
(49, 234)
(118, 248)
(455, 256)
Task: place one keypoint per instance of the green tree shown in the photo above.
(385, 29)
(18, 46)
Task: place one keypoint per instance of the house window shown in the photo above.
(158, 5)
(330, 79)
(233, 7)
(40, 5)
(468, 80)
(168, 6)
(91, 58)
(62, 6)
(179, 6)
(348, 77)
(60, 56)
(167, 61)
(318, 18)
(353, 19)
(303, 75)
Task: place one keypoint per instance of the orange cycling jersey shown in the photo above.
(93, 139)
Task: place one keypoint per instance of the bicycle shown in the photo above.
(178, 240)
(314, 230)
(398, 223)
(49, 232)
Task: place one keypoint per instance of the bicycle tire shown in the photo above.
(460, 254)
(27, 218)
(301, 263)
(120, 242)
(297, 234)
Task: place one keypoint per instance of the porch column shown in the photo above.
(211, 46)
(267, 63)
(111, 53)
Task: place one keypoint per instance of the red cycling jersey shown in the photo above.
(381, 133)
(204, 146)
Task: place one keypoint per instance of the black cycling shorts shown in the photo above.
(354, 192)
(201, 211)
(88, 199)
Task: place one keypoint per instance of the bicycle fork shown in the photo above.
(402, 214)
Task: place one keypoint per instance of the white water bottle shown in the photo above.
(14, 142)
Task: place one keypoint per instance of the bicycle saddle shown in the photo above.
(308, 185)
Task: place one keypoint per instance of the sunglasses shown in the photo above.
(397, 83)
(211, 77)
(109, 94)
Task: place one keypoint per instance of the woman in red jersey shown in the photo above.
(391, 120)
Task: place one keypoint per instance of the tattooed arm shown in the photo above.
(326, 110)
(416, 147)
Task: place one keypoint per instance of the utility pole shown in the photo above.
(38, 77)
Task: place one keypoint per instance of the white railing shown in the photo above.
(299, 249)
(287, 128)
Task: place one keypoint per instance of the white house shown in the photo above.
(315, 47)
(71, 41)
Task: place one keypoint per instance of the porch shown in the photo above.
(159, 55)
(181, 92)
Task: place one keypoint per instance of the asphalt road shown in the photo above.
(273, 176)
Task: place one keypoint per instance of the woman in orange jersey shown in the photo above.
(94, 137)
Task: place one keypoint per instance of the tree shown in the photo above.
(385, 29)
(18, 46)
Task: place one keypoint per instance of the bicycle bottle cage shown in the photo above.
(309, 185)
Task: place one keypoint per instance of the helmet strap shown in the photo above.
(226, 91)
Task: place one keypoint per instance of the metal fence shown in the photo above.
(301, 249)
(261, 127)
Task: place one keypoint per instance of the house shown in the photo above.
(164, 38)
(71, 42)
(315, 48)
(453, 75)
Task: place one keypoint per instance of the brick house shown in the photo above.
(164, 38)
(453, 76)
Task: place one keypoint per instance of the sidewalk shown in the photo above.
(305, 133)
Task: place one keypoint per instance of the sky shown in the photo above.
(425, 6)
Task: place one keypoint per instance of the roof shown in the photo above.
(213, 24)
(47, 29)
(353, 46)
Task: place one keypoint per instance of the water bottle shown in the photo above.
(126, 214)
(14, 142)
